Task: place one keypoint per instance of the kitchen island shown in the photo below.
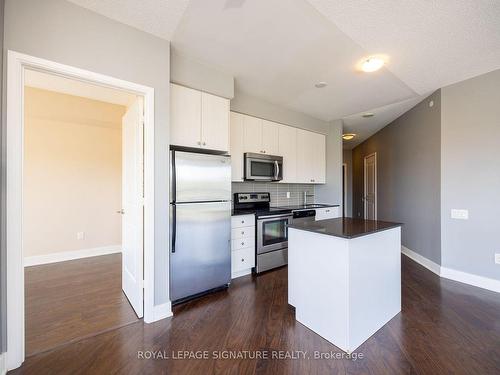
(344, 277)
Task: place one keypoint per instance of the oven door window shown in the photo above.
(262, 169)
(274, 232)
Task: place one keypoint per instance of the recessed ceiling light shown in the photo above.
(348, 136)
(372, 63)
(320, 85)
(368, 114)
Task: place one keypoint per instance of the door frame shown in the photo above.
(344, 188)
(364, 184)
(16, 65)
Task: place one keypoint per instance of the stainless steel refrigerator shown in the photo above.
(200, 223)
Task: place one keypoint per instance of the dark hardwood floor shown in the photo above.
(444, 328)
(68, 301)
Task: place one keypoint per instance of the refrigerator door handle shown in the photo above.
(174, 226)
(173, 177)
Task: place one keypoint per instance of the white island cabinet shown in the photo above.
(344, 277)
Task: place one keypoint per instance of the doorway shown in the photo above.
(136, 212)
(370, 186)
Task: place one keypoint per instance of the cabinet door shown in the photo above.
(214, 122)
(270, 137)
(319, 141)
(236, 146)
(253, 134)
(305, 156)
(287, 147)
(185, 116)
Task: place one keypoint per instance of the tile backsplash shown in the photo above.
(278, 191)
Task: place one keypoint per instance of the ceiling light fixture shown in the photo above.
(368, 114)
(320, 85)
(372, 63)
(348, 136)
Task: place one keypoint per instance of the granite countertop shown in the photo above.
(346, 227)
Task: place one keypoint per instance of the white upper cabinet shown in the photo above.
(288, 149)
(303, 152)
(270, 137)
(311, 157)
(198, 119)
(185, 116)
(214, 122)
(237, 132)
(253, 134)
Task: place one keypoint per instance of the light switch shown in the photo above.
(288, 194)
(460, 214)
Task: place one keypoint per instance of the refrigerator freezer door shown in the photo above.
(202, 257)
(201, 177)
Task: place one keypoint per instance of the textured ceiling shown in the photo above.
(431, 43)
(366, 127)
(157, 17)
(278, 50)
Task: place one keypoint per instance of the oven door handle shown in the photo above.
(272, 217)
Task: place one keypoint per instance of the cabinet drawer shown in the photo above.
(242, 259)
(243, 232)
(327, 213)
(242, 243)
(242, 221)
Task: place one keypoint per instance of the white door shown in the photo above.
(185, 116)
(370, 190)
(214, 122)
(132, 205)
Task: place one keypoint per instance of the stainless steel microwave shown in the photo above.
(259, 167)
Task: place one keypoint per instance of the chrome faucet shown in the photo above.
(305, 197)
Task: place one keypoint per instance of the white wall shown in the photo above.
(72, 173)
(470, 174)
(63, 32)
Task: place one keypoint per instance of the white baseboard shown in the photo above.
(451, 274)
(70, 255)
(162, 311)
(235, 275)
(471, 279)
(3, 366)
(423, 261)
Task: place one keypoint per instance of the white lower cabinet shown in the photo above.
(327, 213)
(242, 245)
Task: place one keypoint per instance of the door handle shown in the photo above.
(174, 225)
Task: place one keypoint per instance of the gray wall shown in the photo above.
(3, 269)
(196, 74)
(63, 32)
(408, 157)
(347, 159)
(253, 106)
(470, 179)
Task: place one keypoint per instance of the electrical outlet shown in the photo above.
(460, 214)
(288, 194)
(497, 258)
(80, 235)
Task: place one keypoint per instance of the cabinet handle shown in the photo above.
(242, 243)
(242, 232)
(242, 221)
(204, 143)
(199, 143)
(242, 259)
